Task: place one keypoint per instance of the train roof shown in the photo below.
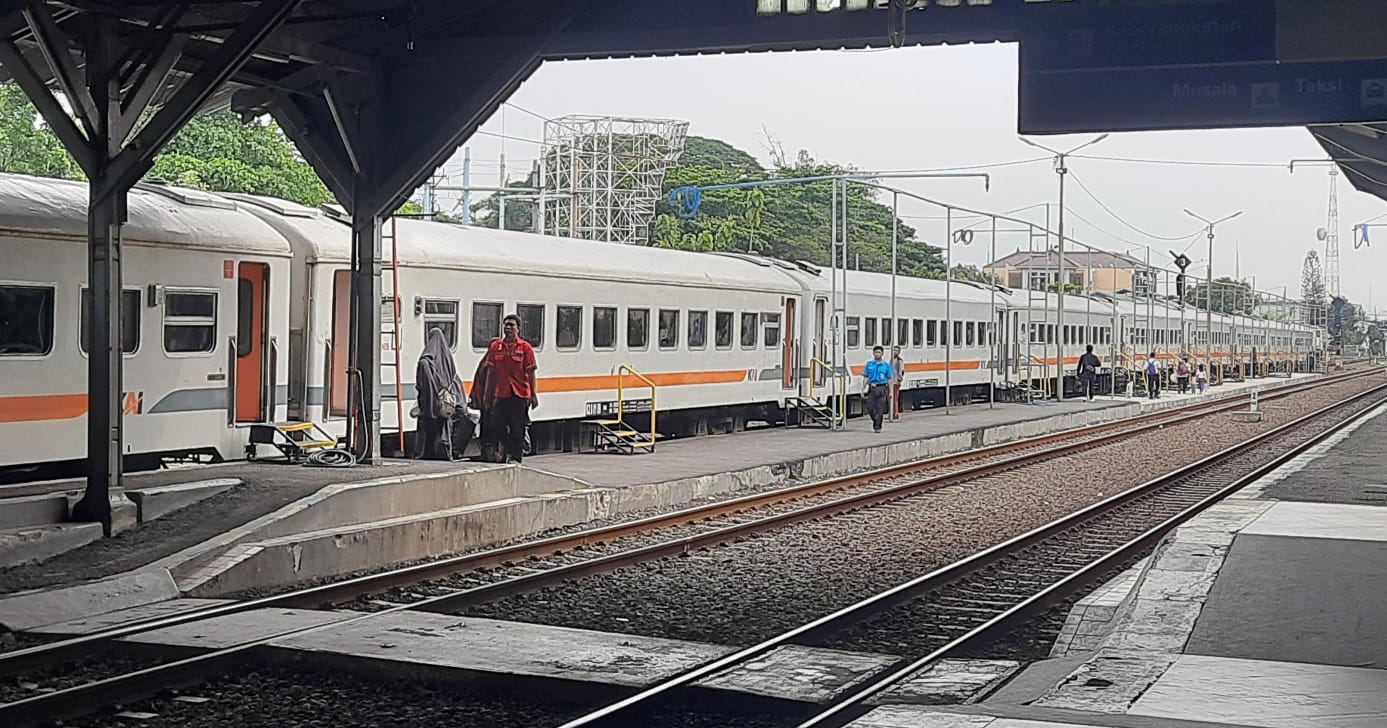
(1073, 302)
(158, 215)
(879, 284)
(324, 236)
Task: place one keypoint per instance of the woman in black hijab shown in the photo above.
(440, 394)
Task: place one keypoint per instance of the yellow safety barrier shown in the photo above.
(621, 371)
(841, 380)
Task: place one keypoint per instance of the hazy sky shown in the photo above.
(940, 107)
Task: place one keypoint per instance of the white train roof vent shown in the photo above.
(336, 212)
(273, 204)
(185, 196)
(758, 260)
(808, 267)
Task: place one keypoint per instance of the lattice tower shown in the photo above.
(606, 174)
(1331, 239)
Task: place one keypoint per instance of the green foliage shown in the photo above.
(1228, 296)
(217, 152)
(26, 145)
(213, 152)
(789, 221)
(520, 214)
(973, 273)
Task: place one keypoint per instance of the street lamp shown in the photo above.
(1061, 170)
(1209, 272)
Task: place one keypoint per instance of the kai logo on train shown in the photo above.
(134, 403)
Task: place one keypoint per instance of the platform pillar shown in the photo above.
(365, 344)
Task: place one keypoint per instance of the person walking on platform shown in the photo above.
(510, 382)
(1201, 380)
(1153, 376)
(877, 375)
(897, 379)
(1088, 370)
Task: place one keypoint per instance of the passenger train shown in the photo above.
(235, 311)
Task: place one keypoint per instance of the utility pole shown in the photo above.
(1061, 169)
(1209, 271)
(1331, 238)
(467, 185)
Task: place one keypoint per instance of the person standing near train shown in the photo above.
(877, 375)
(510, 391)
(897, 381)
(1088, 370)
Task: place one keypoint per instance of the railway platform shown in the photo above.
(236, 528)
(1265, 610)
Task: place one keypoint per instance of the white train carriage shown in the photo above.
(711, 332)
(940, 344)
(202, 319)
(1037, 349)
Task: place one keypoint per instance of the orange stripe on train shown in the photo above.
(33, 408)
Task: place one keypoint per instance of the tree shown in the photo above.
(27, 146)
(520, 214)
(217, 152)
(1228, 296)
(1313, 298)
(789, 221)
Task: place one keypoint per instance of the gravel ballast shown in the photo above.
(770, 583)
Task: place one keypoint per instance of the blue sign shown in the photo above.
(1202, 97)
(1077, 36)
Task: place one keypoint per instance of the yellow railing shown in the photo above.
(621, 372)
(841, 380)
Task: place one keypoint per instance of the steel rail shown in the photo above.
(908, 591)
(83, 699)
(1080, 579)
(346, 590)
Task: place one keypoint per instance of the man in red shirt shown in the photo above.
(507, 376)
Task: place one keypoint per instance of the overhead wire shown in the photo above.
(1119, 218)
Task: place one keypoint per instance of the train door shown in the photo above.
(998, 342)
(789, 361)
(252, 281)
(336, 400)
(820, 341)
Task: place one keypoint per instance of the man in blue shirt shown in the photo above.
(877, 375)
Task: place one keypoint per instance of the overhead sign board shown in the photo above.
(1196, 64)
(1204, 97)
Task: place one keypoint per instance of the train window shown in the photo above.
(917, 331)
(190, 322)
(531, 322)
(932, 333)
(749, 321)
(637, 328)
(770, 326)
(669, 328)
(903, 332)
(871, 331)
(486, 323)
(26, 320)
(441, 315)
(971, 333)
(886, 332)
(723, 333)
(698, 329)
(1049, 333)
(603, 327)
(569, 334)
(129, 321)
(991, 334)
(958, 333)
(854, 332)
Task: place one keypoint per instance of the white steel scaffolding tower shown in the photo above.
(606, 174)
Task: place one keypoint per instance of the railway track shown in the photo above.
(529, 566)
(983, 597)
